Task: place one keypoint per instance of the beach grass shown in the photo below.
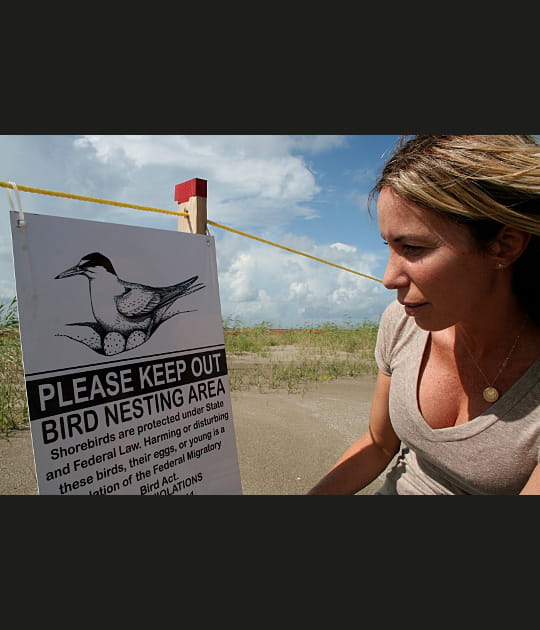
(267, 358)
(13, 408)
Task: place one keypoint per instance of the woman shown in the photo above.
(458, 386)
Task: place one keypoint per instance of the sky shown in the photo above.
(308, 193)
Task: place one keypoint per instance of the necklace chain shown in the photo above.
(491, 394)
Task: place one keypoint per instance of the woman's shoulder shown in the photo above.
(395, 320)
(392, 313)
(396, 331)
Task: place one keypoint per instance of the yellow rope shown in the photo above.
(294, 251)
(41, 191)
(53, 193)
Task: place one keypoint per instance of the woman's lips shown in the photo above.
(414, 309)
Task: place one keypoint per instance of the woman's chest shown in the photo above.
(448, 393)
(442, 399)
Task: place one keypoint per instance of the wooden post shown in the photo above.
(191, 198)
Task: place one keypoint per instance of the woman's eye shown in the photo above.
(410, 250)
(413, 250)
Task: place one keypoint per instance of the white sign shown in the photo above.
(124, 359)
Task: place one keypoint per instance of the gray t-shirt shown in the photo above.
(494, 453)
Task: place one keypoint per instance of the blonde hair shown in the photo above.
(477, 177)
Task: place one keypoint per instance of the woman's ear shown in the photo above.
(508, 246)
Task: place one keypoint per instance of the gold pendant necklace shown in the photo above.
(490, 393)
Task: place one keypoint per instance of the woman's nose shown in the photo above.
(394, 275)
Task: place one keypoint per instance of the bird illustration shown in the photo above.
(126, 313)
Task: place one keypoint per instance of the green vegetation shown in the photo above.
(13, 409)
(268, 359)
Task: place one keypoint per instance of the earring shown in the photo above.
(500, 266)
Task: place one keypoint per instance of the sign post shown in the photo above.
(124, 359)
(191, 198)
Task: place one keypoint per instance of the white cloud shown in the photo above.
(261, 283)
(343, 247)
(204, 150)
(252, 179)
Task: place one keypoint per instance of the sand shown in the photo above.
(287, 442)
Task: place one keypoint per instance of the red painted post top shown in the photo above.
(192, 188)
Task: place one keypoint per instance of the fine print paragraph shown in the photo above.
(158, 427)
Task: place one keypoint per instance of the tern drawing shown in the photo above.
(126, 313)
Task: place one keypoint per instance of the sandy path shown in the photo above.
(286, 442)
